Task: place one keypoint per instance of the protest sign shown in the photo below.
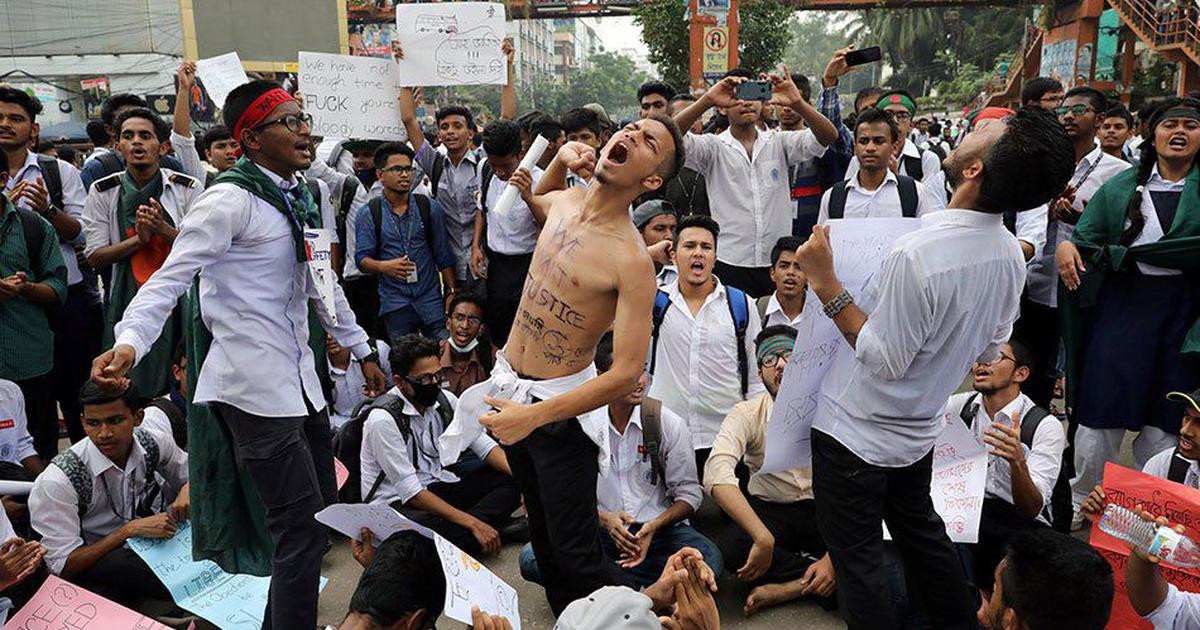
(229, 601)
(60, 604)
(220, 75)
(469, 583)
(381, 519)
(351, 97)
(319, 246)
(451, 43)
(859, 247)
(1161, 497)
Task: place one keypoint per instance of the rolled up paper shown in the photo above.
(509, 197)
(15, 488)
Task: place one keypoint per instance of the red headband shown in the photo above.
(258, 111)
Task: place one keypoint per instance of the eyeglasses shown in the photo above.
(1001, 358)
(901, 116)
(1077, 110)
(1051, 98)
(426, 379)
(470, 319)
(293, 122)
(399, 170)
(772, 360)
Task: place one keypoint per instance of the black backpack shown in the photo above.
(905, 185)
(913, 166)
(52, 178)
(1179, 468)
(652, 440)
(34, 227)
(81, 478)
(485, 182)
(423, 208)
(347, 443)
(175, 416)
(345, 206)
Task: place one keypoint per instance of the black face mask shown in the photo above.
(425, 395)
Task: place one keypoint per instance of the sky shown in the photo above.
(619, 32)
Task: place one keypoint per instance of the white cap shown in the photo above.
(610, 608)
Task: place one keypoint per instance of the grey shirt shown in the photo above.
(458, 194)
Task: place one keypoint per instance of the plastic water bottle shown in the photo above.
(1169, 545)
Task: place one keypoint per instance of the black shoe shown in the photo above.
(516, 531)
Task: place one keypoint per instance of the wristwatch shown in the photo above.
(837, 303)
(371, 358)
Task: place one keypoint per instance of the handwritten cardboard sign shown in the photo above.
(469, 583)
(220, 75)
(859, 247)
(452, 43)
(351, 97)
(1161, 497)
(60, 604)
(351, 518)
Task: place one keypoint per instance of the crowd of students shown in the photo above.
(181, 263)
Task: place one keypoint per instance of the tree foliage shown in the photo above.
(762, 36)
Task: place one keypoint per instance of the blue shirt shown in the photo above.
(837, 158)
(406, 235)
(94, 169)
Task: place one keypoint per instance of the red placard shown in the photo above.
(1177, 502)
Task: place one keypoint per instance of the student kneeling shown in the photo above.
(649, 491)
(121, 482)
(401, 463)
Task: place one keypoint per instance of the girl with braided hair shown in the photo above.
(1131, 277)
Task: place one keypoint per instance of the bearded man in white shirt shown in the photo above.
(946, 296)
(245, 237)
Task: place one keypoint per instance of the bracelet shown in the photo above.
(837, 303)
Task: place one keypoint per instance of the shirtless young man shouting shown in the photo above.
(544, 401)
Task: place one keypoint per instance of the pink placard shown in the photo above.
(339, 470)
(60, 604)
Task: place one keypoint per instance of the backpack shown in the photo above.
(1179, 467)
(906, 186)
(761, 304)
(739, 310)
(52, 178)
(345, 205)
(652, 436)
(175, 416)
(913, 166)
(347, 443)
(423, 208)
(439, 165)
(1029, 426)
(34, 227)
(81, 478)
(485, 182)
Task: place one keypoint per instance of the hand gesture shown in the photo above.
(523, 181)
(616, 525)
(510, 53)
(483, 621)
(109, 369)
(579, 158)
(1070, 264)
(1005, 441)
(1093, 506)
(819, 579)
(181, 509)
(12, 286)
(34, 192)
(758, 561)
(695, 608)
(783, 90)
(186, 76)
(662, 252)
(399, 268)
(815, 257)
(488, 537)
(375, 382)
(643, 540)
(157, 526)
(152, 217)
(511, 422)
(363, 550)
(836, 67)
(18, 560)
(723, 93)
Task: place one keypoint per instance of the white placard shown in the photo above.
(958, 481)
(220, 75)
(859, 247)
(451, 43)
(351, 97)
(382, 520)
(469, 583)
(508, 198)
(319, 243)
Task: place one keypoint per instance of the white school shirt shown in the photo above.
(629, 484)
(776, 316)
(73, 194)
(1160, 466)
(154, 419)
(254, 297)
(881, 202)
(517, 232)
(348, 385)
(1043, 269)
(946, 295)
(384, 450)
(188, 156)
(750, 196)
(932, 175)
(15, 442)
(101, 225)
(696, 373)
(1154, 230)
(1178, 611)
(1043, 460)
(1031, 228)
(54, 505)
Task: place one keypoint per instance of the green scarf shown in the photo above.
(1098, 237)
(152, 373)
(229, 520)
